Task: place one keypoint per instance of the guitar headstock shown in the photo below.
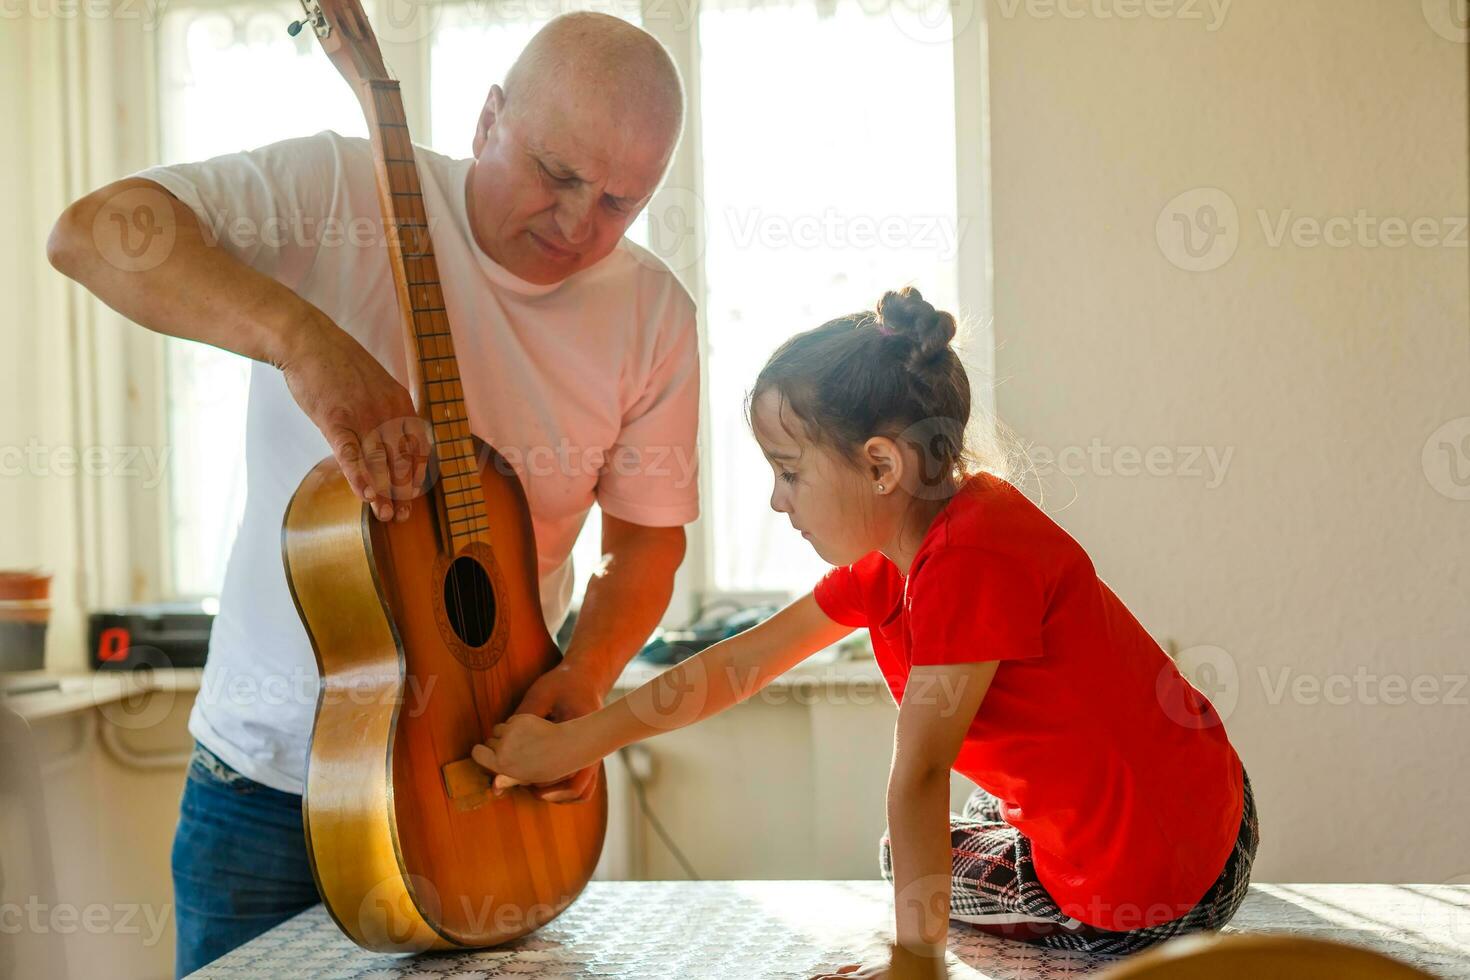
(347, 38)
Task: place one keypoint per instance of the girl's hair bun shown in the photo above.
(906, 313)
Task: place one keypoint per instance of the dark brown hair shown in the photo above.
(890, 372)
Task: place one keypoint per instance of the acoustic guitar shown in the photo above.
(409, 848)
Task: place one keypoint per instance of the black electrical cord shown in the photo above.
(658, 827)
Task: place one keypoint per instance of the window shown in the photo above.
(811, 212)
(204, 110)
(821, 143)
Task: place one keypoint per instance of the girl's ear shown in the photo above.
(883, 464)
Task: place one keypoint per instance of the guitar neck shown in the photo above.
(433, 369)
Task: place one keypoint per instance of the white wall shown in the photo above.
(1327, 549)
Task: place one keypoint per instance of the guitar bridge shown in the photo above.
(467, 783)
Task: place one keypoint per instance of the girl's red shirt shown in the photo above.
(1105, 757)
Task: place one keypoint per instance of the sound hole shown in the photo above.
(469, 601)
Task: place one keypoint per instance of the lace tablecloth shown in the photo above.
(744, 930)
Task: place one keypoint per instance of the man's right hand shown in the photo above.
(367, 417)
(192, 288)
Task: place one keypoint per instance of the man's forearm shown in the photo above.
(624, 603)
(195, 291)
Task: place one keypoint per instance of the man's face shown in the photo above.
(556, 184)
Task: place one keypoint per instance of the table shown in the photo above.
(744, 930)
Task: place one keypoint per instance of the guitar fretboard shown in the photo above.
(436, 386)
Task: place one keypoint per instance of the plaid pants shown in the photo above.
(994, 886)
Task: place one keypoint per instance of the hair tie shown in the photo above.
(884, 330)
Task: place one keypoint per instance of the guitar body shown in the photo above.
(421, 653)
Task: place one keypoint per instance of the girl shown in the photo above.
(1112, 811)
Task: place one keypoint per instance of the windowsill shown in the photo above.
(83, 692)
(805, 678)
(86, 691)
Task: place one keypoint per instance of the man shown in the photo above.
(579, 359)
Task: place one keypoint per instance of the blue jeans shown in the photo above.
(239, 862)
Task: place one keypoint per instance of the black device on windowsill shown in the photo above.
(158, 635)
(672, 646)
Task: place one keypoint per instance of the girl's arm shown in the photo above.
(939, 703)
(528, 749)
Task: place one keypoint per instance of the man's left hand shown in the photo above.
(561, 694)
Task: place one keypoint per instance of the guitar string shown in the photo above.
(384, 103)
(481, 587)
(451, 583)
(480, 598)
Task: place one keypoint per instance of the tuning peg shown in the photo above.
(313, 19)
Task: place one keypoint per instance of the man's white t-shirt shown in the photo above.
(589, 388)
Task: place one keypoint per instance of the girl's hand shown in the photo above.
(528, 749)
(904, 964)
(857, 971)
(562, 694)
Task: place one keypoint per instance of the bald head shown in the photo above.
(573, 145)
(588, 55)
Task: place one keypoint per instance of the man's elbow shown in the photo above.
(674, 548)
(73, 247)
(677, 546)
(69, 241)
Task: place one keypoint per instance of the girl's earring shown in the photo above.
(879, 488)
